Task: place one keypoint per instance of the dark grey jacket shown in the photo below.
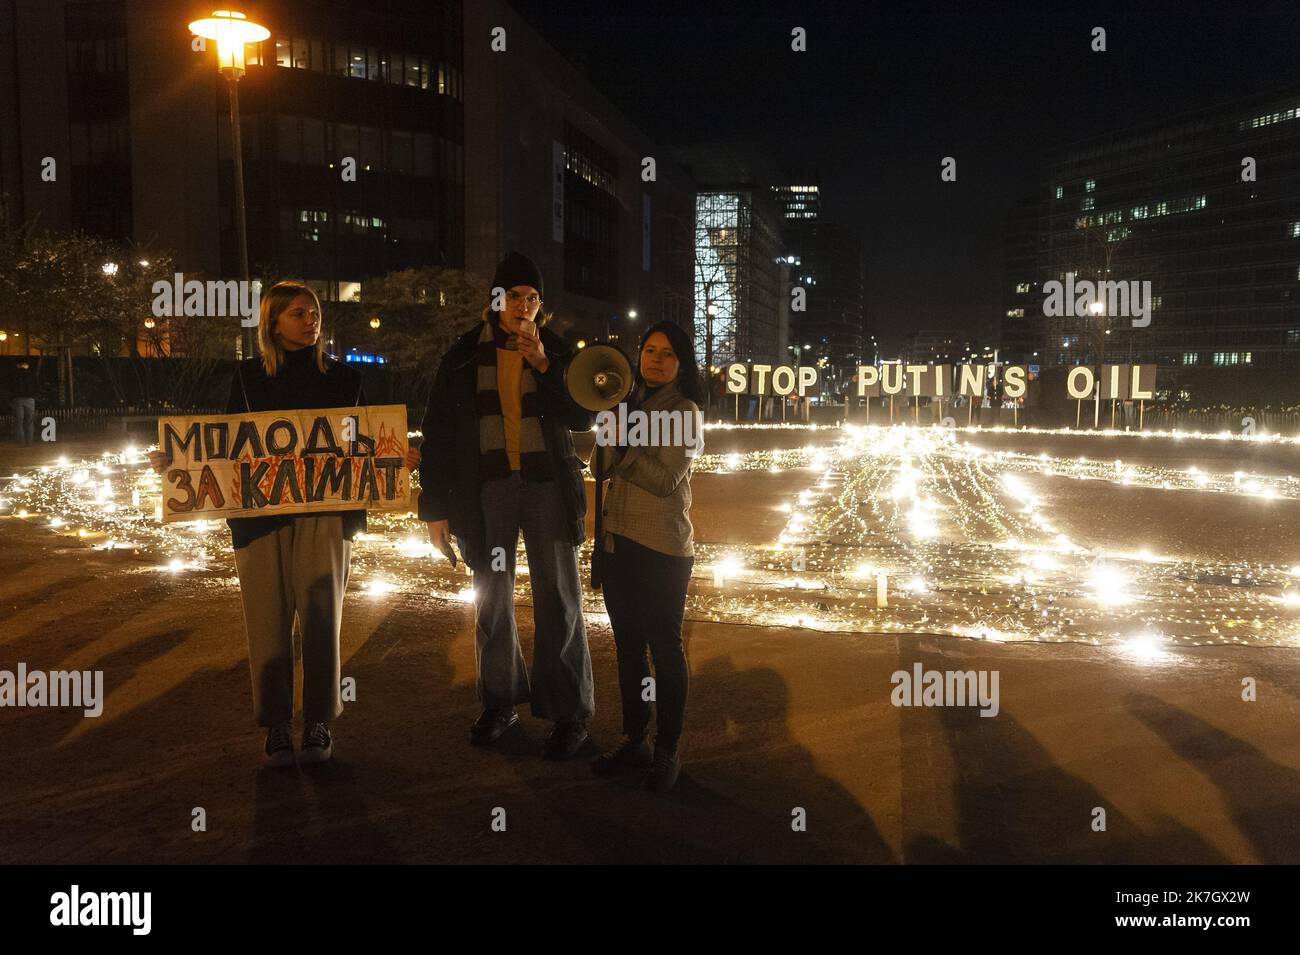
(449, 456)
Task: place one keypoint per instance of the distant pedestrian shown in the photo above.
(22, 402)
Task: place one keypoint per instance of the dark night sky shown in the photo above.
(886, 90)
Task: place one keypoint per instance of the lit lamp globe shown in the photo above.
(149, 323)
(231, 30)
(374, 322)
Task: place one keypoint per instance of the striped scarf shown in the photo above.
(494, 463)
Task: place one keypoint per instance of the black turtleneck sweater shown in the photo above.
(299, 384)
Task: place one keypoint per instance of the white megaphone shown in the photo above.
(598, 377)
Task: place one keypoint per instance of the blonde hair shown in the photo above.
(274, 301)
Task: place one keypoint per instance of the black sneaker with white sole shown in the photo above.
(565, 740)
(492, 725)
(279, 746)
(317, 743)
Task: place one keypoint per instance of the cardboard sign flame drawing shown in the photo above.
(285, 462)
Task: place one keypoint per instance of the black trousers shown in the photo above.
(645, 595)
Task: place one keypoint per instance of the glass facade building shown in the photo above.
(1205, 209)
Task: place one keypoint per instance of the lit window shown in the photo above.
(1088, 203)
(1060, 192)
(1295, 230)
(1190, 357)
(1022, 288)
(1090, 185)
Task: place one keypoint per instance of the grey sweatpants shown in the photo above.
(302, 569)
(561, 681)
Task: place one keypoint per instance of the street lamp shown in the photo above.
(109, 269)
(1098, 310)
(632, 314)
(710, 310)
(232, 30)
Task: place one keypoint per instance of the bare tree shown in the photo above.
(421, 312)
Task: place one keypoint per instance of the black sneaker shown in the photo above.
(663, 774)
(633, 754)
(317, 744)
(566, 739)
(279, 746)
(491, 725)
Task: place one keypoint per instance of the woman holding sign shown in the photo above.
(293, 564)
(648, 556)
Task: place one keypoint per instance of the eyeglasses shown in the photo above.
(530, 300)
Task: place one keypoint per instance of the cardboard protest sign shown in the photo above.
(284, 462)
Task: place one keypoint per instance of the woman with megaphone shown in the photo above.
(647, 553)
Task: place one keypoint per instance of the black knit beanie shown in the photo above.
(518, 269)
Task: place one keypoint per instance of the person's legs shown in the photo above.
(319, 561)
(502, 673)
(666, 581)
(29, 420)
(562, 683)
(16, 409)
(264, 588)
(619, 580)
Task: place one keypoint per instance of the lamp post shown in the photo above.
(232, 30)
(709, 311)
(1098, 309)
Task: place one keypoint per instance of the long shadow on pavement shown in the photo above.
(1013, 804)
(1263, 795)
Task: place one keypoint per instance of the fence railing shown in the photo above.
(90, 419)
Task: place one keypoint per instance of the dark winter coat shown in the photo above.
(449, 456)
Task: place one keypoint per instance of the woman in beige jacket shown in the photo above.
(648, 551)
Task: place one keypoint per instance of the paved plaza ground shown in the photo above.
(782, 716)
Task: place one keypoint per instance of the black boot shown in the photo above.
(663, 774)
(633, 754)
